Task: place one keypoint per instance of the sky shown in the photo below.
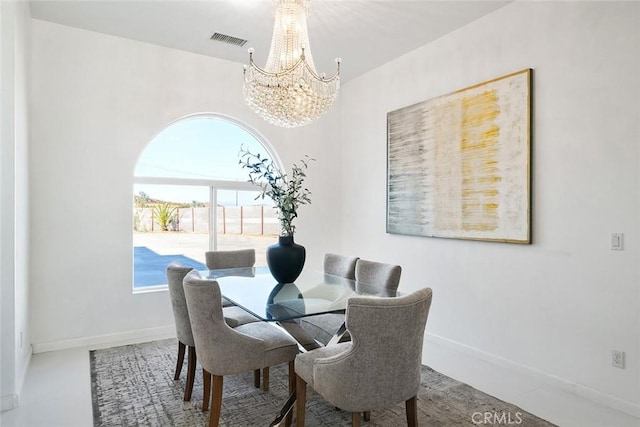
(198, 148)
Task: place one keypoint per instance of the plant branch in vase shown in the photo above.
(286, 258)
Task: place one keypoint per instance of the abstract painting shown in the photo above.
(458, 165)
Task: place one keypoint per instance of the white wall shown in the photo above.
(558, 306)
(562, 304)
(96, 102)
(14, 210)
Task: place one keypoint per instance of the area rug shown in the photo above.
(133, 385)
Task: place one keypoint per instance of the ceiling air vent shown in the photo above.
(228, 39)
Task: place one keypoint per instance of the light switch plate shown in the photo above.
(617, 241)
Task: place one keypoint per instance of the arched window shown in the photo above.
(186, 169)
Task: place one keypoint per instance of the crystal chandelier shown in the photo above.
(288, 92)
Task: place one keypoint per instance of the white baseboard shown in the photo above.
(108, 340)
(12, 401)
(552, 380)
(608, 400)
(8, 402)
(23, 378)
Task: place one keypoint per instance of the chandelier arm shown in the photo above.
(290, 70)
(325, 79)
(269, 73)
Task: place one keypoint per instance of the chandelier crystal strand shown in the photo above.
(288, 92)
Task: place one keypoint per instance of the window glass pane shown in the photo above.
(244, 222)
(170, 223)
(198, 148)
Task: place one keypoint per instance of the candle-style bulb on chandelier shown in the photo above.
(288, 92)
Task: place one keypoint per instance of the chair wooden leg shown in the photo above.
(301, 400)
(191, 373)
(180, 361)
(206, 392)
(265, 379)
(412, 411)
(216, 401)
(355, 419)
(367, 415)
(292, 376)
(292, 388)
(256, 378)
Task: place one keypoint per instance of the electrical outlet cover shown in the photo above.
(617, 359)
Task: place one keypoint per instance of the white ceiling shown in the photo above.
(364, 33)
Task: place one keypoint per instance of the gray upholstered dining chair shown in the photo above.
(230, 259)
(377, 278)
(234, 316)
(323, 326)
(379, 368)
(371, 277)
(227, 351)
(340, 265)
(240, 258)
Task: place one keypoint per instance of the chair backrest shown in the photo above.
(340, 265)
(221, 350)
(377, 278)
(383, 365)
(230, 259)
(175, 276)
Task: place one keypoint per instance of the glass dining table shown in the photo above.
(313, 293)
(256, 291)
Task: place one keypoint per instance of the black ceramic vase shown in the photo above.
(286, 259)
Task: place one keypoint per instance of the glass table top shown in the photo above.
(256, 291)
